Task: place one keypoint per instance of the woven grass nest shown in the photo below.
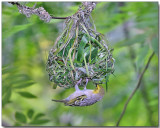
(79, 52)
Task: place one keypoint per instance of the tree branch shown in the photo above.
(134, 91)
(43, 14)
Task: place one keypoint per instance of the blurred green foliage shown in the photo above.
(27, 91)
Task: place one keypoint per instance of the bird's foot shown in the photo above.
(86, 84)
(76, 86)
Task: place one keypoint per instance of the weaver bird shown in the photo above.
(83, 97)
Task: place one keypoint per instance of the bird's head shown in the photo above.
(99, 90)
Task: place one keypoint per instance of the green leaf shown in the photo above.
(154, 44)
(6, 96)
(17, 124)
(141, 56)
(66, 50)
(70, 58)
(94, 54)
(4, 88)
(82, 44)
(23, 85)
(17, 78)
(30, 113)
(107, 80)
(86, 66)
(39, 115)
(42, 121)
(15, 29)
(87, 53)
(20, 117)
(8, 70)
(96, 42)
(27, 95)
(65, 41)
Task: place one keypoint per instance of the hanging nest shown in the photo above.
(79, 52)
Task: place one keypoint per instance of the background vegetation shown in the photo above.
(132, 30)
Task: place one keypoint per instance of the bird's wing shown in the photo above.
(75, 101)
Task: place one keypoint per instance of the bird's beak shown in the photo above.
(98, 86)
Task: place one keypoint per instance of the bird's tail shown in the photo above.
(58, 100)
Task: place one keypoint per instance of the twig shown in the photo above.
(134, 91)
